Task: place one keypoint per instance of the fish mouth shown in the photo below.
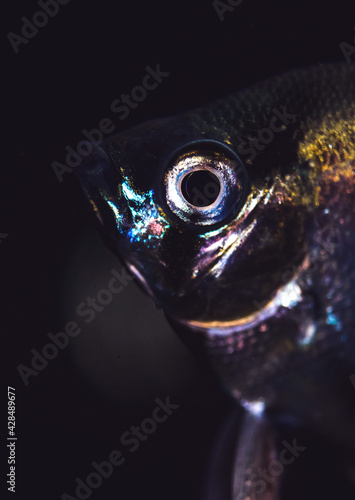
(287, 297)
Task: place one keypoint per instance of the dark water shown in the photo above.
(68, 78)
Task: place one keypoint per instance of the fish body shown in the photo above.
(238, 218)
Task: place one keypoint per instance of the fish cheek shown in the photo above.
(275, 253)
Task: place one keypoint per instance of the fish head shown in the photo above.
(208, 237)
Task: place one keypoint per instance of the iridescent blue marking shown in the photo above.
(148, 223)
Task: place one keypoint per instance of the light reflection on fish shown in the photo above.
(239, 220)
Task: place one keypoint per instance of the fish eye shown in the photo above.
(200, 188)
(205, 183)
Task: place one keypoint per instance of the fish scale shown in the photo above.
(258, 281)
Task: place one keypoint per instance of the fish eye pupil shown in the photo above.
(200, 188)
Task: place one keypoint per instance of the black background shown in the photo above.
(62, 81)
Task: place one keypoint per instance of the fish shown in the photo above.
(238, 220)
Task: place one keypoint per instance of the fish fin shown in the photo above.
(242, 452)
(256, 448)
